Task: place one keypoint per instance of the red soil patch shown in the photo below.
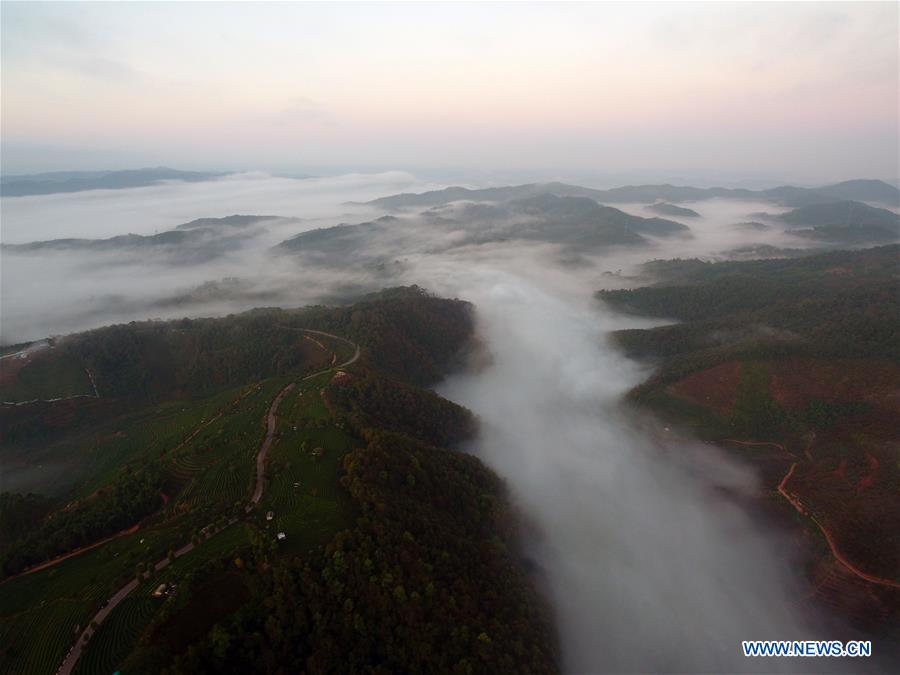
(841, 471)
(859, 515)
(714, 388)
(341, 378)
(869, 479)
(847, 482)
(838, 590)
(797, 380)
(10, 367)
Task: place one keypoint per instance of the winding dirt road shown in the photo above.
(796, 503)
(271, 421)
(263, 453)
(75, 651)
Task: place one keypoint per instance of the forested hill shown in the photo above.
(405, 332)
(835, 304)
(426, 581)
(794, 365)
(374, 545)
(788, 195)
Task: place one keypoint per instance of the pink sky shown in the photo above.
(805, 90)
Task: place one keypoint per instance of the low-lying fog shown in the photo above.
(47, 292)
(57, 292)
(641, 542)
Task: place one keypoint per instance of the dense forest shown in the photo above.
(405, 332)
(837, 304)
(408, 333)
(19, 514)
(373, 400)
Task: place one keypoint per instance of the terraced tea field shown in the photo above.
(208, 450)
(304, 494)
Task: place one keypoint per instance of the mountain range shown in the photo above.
(79, 181)
(786, 195)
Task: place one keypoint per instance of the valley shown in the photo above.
(152, 464)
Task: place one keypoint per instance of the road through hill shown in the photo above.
(74, 653)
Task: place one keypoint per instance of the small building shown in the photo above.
(281, 536)
(318, 452)
(160, 591)
(270, 515)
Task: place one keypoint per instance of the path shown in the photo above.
(795, 502)
(755, 443)
(270, 432)
(133, 528)
(74, 653)
(71, 554)
(263, 453)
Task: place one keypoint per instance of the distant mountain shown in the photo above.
(227, 221)
(575, 222)
(667, 209)
(850, 213)
(847, 223)
(580, 220)
(865, 191)
(786, 195)
(199, 239)
(79, 181)
(495, 194)
(228, 289)
(849, 235)
(335, 240)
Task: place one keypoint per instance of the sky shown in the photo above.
(805, 91)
